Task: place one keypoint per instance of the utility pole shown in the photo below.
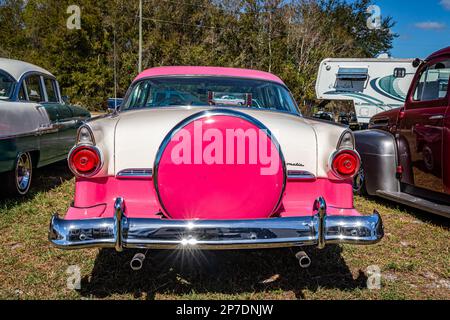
(115, 70)
(140, 36)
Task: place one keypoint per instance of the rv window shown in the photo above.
(354, 74)
(399, 72)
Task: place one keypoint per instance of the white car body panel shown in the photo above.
(19, 118)
(130, 140)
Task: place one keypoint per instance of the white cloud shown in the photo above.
(445, 4)
(430, 25)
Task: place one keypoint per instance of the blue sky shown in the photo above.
(423, 26)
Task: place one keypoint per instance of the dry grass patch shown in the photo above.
(413, 257)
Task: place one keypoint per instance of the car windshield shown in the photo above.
(6, 86)
(208, 91)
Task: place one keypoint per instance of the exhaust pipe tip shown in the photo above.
(137, 262)
(303, 259)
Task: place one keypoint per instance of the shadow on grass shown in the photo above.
(44, 179)
(221, 272)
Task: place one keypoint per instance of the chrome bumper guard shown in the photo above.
(122, 232)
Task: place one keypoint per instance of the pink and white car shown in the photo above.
(172, 168)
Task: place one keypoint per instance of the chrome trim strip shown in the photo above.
(300, 175)
(37, 132)
(209, 113)
(135, 173)
(121, 232)
(437, 117)
(52, 128)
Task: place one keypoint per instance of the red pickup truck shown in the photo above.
(406, 151)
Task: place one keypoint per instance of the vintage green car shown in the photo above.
(37, 127)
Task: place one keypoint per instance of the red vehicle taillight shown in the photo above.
(84, 160)
(345, 163)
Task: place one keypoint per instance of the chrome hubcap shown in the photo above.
(23, 172)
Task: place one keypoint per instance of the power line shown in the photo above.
(186, 24)
(184, 3)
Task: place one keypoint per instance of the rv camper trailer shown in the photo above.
(374, 85)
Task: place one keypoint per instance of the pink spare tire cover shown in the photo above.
(219, 164)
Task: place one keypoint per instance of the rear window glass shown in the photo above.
(6, 86)
(50, 87)
(34, 88)
(209, 91)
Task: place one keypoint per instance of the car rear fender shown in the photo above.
(378, 151)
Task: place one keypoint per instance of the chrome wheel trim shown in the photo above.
(23, 172)
(358, 181)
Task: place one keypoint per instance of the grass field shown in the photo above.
(414, 259)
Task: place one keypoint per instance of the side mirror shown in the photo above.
(114, 103)
(417, 62)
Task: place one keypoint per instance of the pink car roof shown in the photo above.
(208, 71)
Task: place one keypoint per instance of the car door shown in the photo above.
(34, 92)
(66, 122)
(446, 149)
(422, 124)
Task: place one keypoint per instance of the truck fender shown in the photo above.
(378, 151)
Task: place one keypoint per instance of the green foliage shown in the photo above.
(288, 38)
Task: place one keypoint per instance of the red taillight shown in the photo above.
(346, 163)
(84, 160)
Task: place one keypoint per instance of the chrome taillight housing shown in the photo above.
(85, 160)
(345, 163)
(85, 135)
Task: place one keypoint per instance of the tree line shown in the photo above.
(288, 38)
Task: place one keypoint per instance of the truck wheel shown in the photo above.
(19, 180)
(428, 158)
(359, 183)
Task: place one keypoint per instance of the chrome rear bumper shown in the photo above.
(122, 232)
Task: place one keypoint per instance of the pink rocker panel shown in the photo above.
(208, 71)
